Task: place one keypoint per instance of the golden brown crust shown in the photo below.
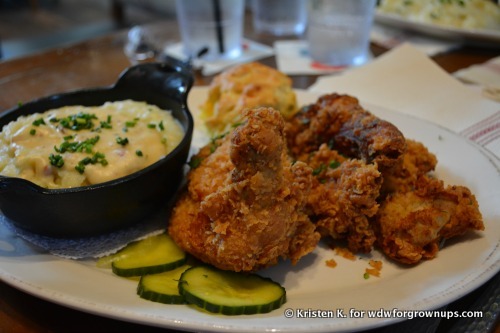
(244, 207)
(417, 161)
(344, 197)
(341, 122)
(411, 225)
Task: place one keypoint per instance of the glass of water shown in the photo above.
(211, 29)
(339, 31)
(279, 17)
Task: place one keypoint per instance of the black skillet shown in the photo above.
(100, 208)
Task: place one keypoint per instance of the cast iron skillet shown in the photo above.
(100, 208)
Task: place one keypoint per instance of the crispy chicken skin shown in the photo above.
(343, 198)
(417, 161)
(341, 122)
(337, 131)
(244, 206)
(411, 225)
(371, 185)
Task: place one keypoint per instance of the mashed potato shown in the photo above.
(467, 14)
(77, 146)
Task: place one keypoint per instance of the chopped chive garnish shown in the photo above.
(78, 121)
(318, 170)
(39, 122)
(77, 146)
(122, 141)
(334, 164)
(56, 160)
(32, 131)
(98, 158)
(194, 162)
(106, 125)
(138, 153)
(130, 123)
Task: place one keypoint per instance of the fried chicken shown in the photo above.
(342, 123)
(343, 197)
(411, 224)
(417, 161)
(244, 206)
(336, 129)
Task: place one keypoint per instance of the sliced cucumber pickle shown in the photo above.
(230, 293)
(162, 287)
(151, 255)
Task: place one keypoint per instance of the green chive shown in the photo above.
(319, 170)
(56, 160)
(39, 122)
(194, 162)
(122, 141)
(334, 164)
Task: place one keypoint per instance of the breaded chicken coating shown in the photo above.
(343, 198)
(342, 123)
(244, 206)
(411, 225)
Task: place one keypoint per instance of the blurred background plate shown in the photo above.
(469, 36)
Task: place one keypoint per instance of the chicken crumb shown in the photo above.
(345, 253)
(331, 263)
(375, 270)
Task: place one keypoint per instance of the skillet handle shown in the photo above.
(172, 80)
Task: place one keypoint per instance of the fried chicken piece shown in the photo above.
(341, 122)
(411, 225)
(417, 161)
(343, 198)
(243, 209)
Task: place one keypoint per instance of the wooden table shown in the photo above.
(98, 62)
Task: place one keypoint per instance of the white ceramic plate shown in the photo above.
(459, 268)
(472, 36)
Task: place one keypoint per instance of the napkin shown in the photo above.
(486, 76)
(87, 247)
(406, 80)
(251, 51)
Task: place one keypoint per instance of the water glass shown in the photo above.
(339, 31)
(279, 17)
(211, 29)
